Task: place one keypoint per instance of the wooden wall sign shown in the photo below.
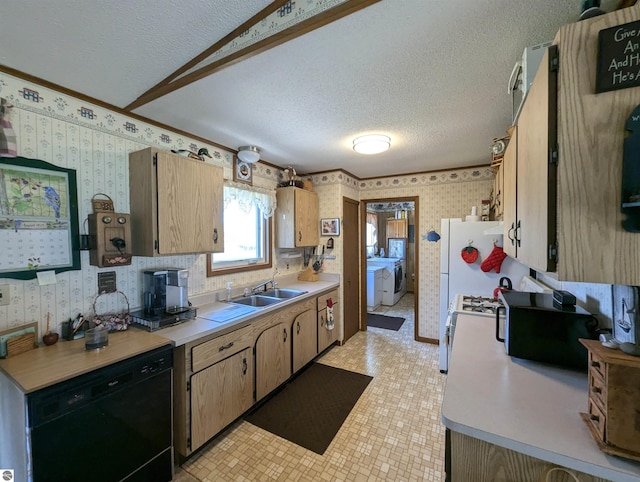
(618, 63)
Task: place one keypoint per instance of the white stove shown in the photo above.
(470, 305)
(482, 305)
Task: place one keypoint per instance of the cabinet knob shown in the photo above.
(285, 334)
(215, 235)
(517, 234)
(298, 328)
(299, 235)
(595, 418)
(244, 366)
(595, 364)
(596, 390)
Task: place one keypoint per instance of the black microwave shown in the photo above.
(538, 328)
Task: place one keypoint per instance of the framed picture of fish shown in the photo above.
(38, 218)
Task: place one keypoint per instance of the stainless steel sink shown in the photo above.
(257, 300)
(283, 293)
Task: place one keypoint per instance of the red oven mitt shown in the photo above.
(494, 260)
(469, 254)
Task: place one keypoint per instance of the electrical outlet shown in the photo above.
(5, 295)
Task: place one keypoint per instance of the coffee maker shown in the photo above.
(166, 291)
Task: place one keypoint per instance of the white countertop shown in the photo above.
(199, 327)
(522, 405)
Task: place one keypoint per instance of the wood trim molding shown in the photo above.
(171, 83)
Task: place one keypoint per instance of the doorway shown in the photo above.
(350, 298)
(397, 219)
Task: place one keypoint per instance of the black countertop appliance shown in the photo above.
(536, 327)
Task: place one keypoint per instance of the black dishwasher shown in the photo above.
(108, 425)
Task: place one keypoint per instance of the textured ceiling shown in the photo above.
(430, 74)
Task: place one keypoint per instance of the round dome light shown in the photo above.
(371, 144)
(249, 154)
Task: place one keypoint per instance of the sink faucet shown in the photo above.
(263, 286)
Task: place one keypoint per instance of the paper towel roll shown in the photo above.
(474, 210)
(473, 218)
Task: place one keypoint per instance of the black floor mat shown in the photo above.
(383, 321)
(311, 408)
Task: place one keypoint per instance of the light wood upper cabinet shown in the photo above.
(304, 334)
(509, 188)
(592, 245)
(176, 204)
(497, 196)
(531, 235)
(396, 228)
(297, 221)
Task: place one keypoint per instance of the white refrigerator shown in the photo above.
(459, 277)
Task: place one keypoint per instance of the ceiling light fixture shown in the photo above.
(371, 144)
(249, 154)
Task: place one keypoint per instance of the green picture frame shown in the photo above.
(38, 218)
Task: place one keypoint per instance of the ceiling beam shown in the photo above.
(173, 83)
(265, 12)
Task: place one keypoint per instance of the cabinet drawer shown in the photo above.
(597, 419)
(322, 299)
(597, 365)
(219, 348)
(597, 389)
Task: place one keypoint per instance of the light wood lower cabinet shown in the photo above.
(212, 386)
(327, 337)
(273, 358)
(219, 395)
(479, 461)
(219, 377)
(274, 347)
(304, 338)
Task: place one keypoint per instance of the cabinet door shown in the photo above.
(536, 170)
(326, 336)
(189, 205)
(273, 359)
(305, 338)
(497, 196)
(219, 395)
(509, 189)
(306, 214)
(396, 228)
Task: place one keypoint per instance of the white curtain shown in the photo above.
(248, 196)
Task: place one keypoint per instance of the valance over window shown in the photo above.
(249, 196)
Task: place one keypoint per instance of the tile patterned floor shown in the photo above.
(393, 433)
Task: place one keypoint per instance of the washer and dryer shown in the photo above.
(394, 283)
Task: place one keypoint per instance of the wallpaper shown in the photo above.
(96, 142)
(71, 133)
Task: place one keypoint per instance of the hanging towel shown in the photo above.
(330, 323)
